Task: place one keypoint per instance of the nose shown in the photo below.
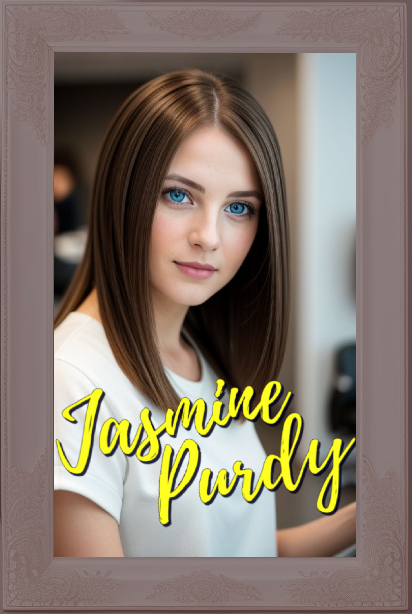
(204, 232)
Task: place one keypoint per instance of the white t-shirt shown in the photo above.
(127, 488)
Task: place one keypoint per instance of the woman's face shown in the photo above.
(206, 218)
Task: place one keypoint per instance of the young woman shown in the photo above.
(185, 280)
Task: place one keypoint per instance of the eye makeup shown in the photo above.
(251, 210)
(200, 188)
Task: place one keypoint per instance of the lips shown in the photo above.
(198, 265)
(196, 270)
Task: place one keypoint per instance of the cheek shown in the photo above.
(237, 245)
(164, 234)
(159, 229)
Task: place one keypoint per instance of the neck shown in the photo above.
(169, 320)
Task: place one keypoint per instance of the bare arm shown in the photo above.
(82, 528)
(322, 537)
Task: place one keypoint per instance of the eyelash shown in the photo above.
(250, 208)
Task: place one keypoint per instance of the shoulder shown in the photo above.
(81, 338)
(81, 348)
(84, 361)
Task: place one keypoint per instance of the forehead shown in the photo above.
(209, 153)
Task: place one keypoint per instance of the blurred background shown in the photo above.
(311, 101)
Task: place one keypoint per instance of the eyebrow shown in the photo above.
(200, 188)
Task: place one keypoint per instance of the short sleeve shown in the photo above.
(104, 478)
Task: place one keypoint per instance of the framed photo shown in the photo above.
(33, 33)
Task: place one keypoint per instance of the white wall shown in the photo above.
(326, 212)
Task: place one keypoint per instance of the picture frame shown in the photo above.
(377, 578)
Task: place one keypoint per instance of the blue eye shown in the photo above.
(176, 195)
(238, 209)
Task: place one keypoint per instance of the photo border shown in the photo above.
(376, 579)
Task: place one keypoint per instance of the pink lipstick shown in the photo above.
(196, 270)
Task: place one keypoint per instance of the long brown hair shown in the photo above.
(242, 329)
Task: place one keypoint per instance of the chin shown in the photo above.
(194, 301)
(192, 297)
